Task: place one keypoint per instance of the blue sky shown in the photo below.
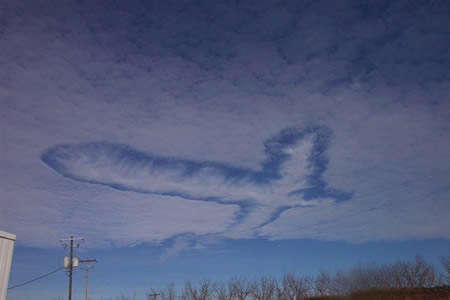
(245, 137)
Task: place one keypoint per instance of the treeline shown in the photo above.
(415, 273)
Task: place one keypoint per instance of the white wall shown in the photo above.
(6, 252)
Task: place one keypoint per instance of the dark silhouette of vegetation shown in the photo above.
(416, 279)
(414, 276)
(445, 261)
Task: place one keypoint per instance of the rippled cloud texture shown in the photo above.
(147, 120)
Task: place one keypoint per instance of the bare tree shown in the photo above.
(402, 274)
(241, 288)
(370, 277)
(322, 284)
(279, 290)
(382, 277)
(414, 274)
(361, 278)
(202, 292)
(223, 291)
(167, 293)
(341, 284)
(264, 289)
(445, 261)
(296, 288)
(186, 292)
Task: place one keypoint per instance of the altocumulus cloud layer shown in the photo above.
(140, 121)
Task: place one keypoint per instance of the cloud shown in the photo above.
(359, 222)
(107, 217)
(212, 85)
(290, 176)
(294, 160)
(181, 243)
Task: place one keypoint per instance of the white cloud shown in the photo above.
(117, 165)
(215, 89)
(359, 221)
(106, 217)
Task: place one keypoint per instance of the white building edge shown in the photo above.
(6, 252)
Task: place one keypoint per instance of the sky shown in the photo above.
(194, 139)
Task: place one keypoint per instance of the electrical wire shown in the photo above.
(40, 277)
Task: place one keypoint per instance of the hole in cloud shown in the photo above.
(290, 176)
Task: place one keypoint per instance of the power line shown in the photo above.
(40, 277)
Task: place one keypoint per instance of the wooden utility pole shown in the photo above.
(71, 239)
(87, 261)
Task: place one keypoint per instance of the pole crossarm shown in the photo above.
(72, 239)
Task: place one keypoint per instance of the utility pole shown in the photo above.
(71, 239)
(87, 261)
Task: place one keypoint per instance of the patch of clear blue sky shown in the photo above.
(127, 270)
